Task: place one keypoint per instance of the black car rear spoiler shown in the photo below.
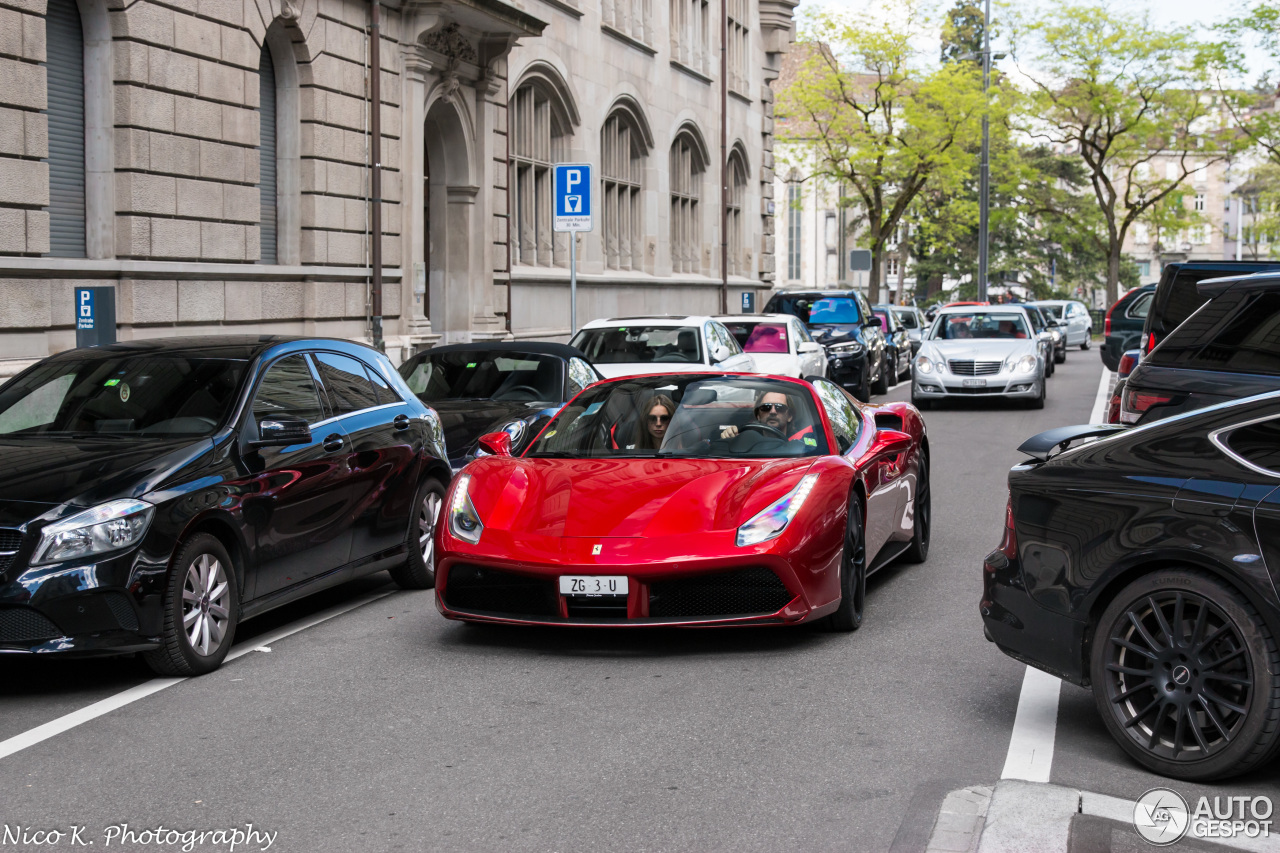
(1042, 446)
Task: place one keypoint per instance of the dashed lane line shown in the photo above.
(65, 723)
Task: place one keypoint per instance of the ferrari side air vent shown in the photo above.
(888, 420)
(745, 592)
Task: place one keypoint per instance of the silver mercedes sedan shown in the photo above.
(979, 352)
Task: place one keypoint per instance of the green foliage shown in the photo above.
(867, 113)
(962, 33)
(1122, 92)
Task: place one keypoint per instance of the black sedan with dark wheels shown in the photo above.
(154, 494)
(1143, 564)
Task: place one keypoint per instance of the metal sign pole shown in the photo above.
(571, 213)
(573, 284)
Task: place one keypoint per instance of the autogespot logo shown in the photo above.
(1161, 816)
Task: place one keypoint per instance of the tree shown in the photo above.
(962, 33)
(1121, 94)
(865, 113)
(1253, 109)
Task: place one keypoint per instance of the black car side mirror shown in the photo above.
(282, 431)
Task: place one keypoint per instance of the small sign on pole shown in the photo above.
(571, 213)
(95, 316)
(859, 260)
(748, 302)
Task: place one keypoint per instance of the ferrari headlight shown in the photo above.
(1026, 364)
(773, 519)
(924, 365)
(464, 522)
(111, 526)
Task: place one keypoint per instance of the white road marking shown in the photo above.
(1099, 414)
(65, 723)
(1030, 755)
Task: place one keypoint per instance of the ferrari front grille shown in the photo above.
(744, 592)
(25, 625)
(974, 368)
(482, 589)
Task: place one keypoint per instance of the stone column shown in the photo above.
(459, 288)
(485, 323)
(416, 325)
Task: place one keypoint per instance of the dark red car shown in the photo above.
(690, 499)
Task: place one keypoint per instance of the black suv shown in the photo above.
(1122, 328)
(1226, 350)
(841, 320)
(1177, 297)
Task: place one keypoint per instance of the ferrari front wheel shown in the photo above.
(921, 514)
(853, 572)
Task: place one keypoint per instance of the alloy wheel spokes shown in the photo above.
(427, 518)
(206, 604)
(1179, 677)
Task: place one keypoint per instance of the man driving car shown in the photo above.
(773, 409)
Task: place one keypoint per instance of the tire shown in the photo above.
(1225, 718)
(922, 515)
(864, 388)
(921, 404)
(881, 385)
(418, 571)
(1060, 357)
(853, 572)
(1038, 402)
(203, 589)
(1088, 338)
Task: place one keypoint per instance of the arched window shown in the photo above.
(64, 41)
(733, 217)
(267, 186)
(539, 134)
(622, 166)
(687, 166)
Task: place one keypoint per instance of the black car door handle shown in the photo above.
(333, 442)
(400, 421)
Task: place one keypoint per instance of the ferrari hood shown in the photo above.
(626, 497)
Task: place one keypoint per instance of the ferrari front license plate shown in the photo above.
(593, 585)
(975, 383)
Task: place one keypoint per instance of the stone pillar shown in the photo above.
(416, 325)
(485, 323)
(459, 288)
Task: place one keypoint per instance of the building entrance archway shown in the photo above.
(449, 204)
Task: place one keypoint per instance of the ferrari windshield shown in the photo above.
(980, 324)
(641, 344)
(704, 417)
(485, 375)
(124, 396)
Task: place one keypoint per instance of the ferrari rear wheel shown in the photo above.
(922, 516)
(853, 572)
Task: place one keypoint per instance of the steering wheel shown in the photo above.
(763, 429)
(536, 394)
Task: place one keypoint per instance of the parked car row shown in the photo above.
(1141, 558)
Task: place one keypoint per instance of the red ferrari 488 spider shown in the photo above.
(694, 499)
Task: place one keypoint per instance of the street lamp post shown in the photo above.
(984, 168)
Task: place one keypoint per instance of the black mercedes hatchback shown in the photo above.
(1144, 566)
(154, 494)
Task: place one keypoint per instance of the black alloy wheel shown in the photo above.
(418, 571)
(201, 609)
(853, 572)
(864, 387)
(921, 514)
(1186, 676)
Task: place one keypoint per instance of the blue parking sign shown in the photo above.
(571, 201)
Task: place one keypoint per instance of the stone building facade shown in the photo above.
(210, 160)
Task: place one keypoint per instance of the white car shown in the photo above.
(631, 346)
(1076, 318)
(779, 343)
(979, 351)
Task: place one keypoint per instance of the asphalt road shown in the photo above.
(388, 728)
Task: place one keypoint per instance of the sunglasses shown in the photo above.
(659, 419)
(780, 408)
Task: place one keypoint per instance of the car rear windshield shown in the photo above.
(126, 395)
(686, 416)
(641, 344)
(979, 324)
(907, 319)
(1238, 332)
(759, 337)
(1051, 312)
(1179, 298)
(484, 375)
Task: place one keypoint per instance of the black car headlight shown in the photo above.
(464, 521)
(111, 526)
(846, 349)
